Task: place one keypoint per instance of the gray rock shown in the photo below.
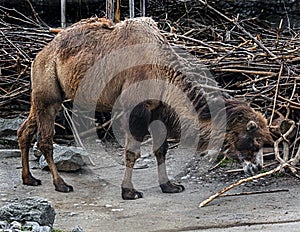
(67, 159)
(8, 132)
(35, 209)
(36, 151)
(77, 229)
(10, 126)
(45, 229)
(32, 226)
(8, 153)
(4, 225)
(35, 227)
(15, 225)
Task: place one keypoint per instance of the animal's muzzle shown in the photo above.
(251, 167)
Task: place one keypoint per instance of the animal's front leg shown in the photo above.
(165, 184)
(132, 153)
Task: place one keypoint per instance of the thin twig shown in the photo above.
(276, 145)
(211, 198)
(218, 164)
(254, 192)
(276, 94)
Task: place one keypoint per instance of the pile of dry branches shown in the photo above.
(262, 66)
(21, 38)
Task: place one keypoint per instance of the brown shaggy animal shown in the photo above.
(60, 69)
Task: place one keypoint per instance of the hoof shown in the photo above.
(30, 180)
(131, 194)
(63, 187)
(170, 187)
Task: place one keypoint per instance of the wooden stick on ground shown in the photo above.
(254, 192)
(211, 198)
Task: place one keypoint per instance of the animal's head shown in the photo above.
(247, 132)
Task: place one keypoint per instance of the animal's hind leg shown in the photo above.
(45, 119)
(25, 134)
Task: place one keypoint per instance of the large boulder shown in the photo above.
(8, 132)
(68, 159)
(34, 209)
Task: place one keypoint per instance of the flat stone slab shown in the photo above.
(8, 132)
(9, 153)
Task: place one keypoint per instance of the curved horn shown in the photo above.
(251, 126)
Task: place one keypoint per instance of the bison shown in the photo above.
(59, 71)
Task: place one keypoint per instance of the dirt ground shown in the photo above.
(96, 203)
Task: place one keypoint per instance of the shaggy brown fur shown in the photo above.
(60, 67)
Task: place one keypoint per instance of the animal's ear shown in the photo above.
(251, 126)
